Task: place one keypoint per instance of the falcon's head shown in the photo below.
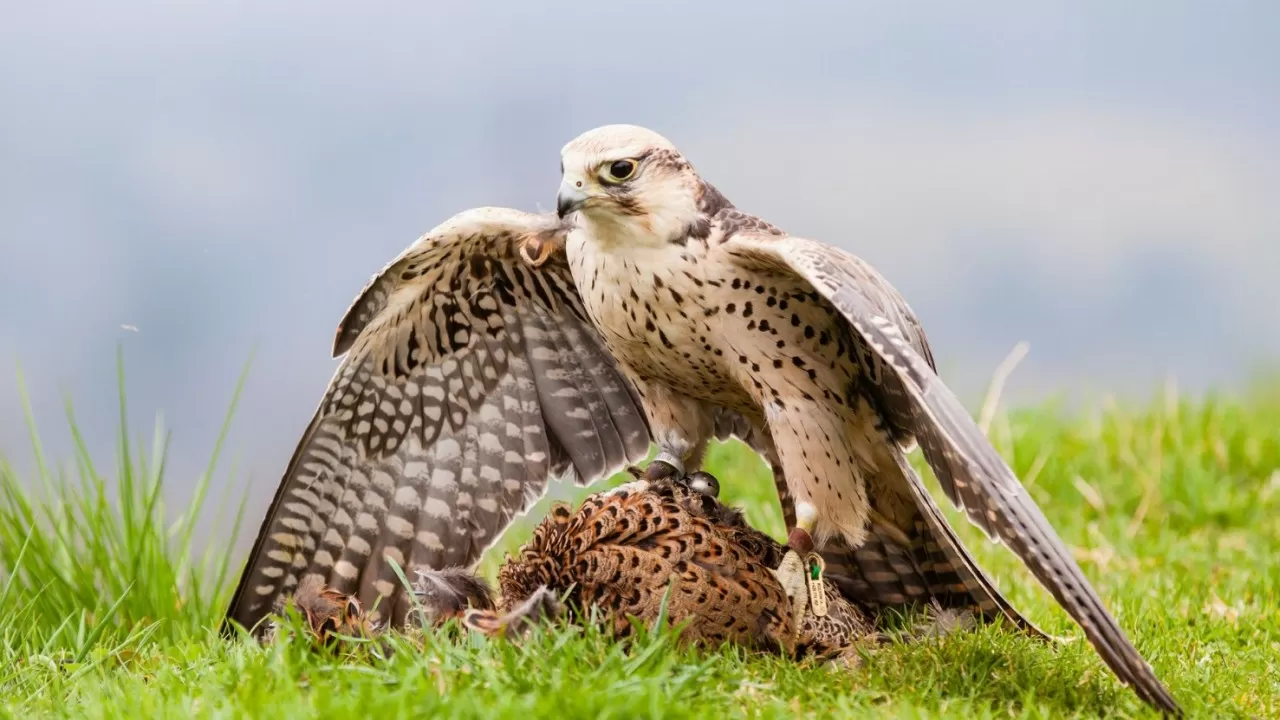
(631, 187)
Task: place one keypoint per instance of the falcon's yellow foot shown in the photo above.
(791, 575)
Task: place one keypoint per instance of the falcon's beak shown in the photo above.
(569, 198)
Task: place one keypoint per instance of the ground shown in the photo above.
(1173, 510)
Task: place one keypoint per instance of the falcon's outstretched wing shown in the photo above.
(470, 378)
(971, 472)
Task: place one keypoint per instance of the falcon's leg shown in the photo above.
(681, 427)
(820, 453)
(792, 572)
(800, 537)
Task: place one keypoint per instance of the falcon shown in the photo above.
(504, 347)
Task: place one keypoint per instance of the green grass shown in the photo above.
(108, 610)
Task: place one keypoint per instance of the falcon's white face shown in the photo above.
(629, 185)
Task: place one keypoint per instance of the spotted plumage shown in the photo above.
(470, 378)
(815, 352)
(651, 308)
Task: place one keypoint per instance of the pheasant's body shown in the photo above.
(621, 550)
(625, 552)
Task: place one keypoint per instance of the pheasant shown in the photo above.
(645, 548)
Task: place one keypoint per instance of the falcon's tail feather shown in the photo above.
(925, 567)
(984, 486)
(979, 481)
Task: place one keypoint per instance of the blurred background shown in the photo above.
(200, 181)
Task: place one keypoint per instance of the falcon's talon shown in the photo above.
(792, 576)
(702, 483)
(541, 605)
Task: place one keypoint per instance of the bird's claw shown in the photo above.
(791, 575)
(703, 483)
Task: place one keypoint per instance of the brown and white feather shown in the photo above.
(824, 361)
(662, 312)
(470, 378)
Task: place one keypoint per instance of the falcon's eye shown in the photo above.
(620, 170)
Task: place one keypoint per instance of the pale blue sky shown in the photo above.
(1100, 179)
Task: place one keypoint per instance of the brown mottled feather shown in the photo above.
(621, 550)
(469, 379)
(613, 559)
(327, 612)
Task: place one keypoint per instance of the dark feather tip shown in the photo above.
(448, 593)
(542, 605)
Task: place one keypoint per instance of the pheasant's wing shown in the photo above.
(470, 378)
(918, 404)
